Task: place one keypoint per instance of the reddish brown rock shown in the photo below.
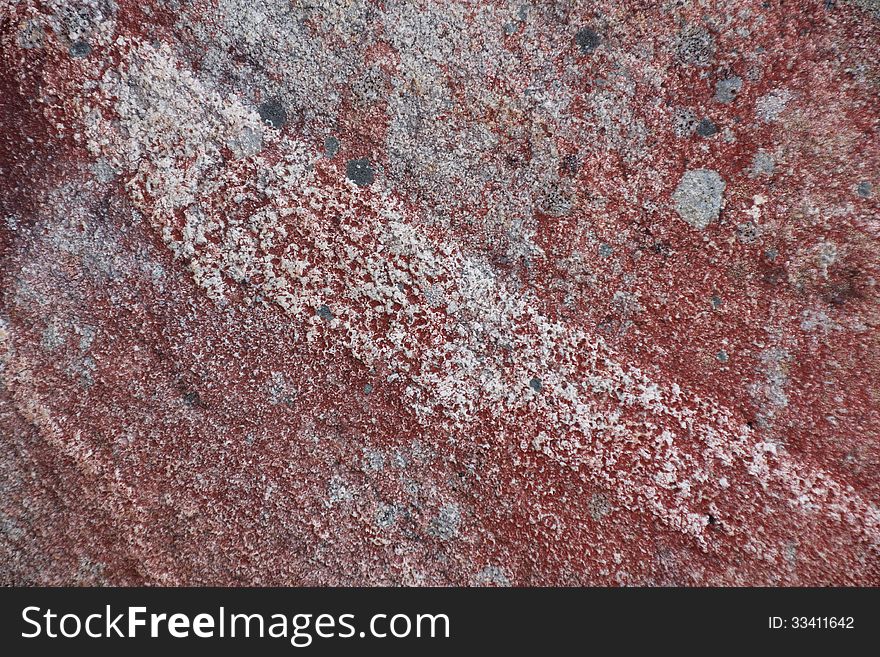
(405, 293)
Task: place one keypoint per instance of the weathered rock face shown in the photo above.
(439, 293)
(699, 197)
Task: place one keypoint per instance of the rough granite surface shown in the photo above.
(439, 293)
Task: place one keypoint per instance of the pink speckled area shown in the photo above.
(349, 292)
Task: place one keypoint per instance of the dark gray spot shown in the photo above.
(535, 384)
(864, 189)
(273, 113)
(715, 301)
(360, 172)
(368, 389)
(587, 40)
(706, 128)
(80, 49)
(605, 250)
(331, 147)
(721, 356)
(325, 313)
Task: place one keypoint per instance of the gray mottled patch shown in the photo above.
(492, 576)
(770, 106)
(695, 46)
(386, 515)
(872, 7)
(84, 368)
(90, 573)
(699, 197)
(246, 144)
(339, 492)
(771, 392)
(791, 553)
(763, 164)
(684, 122)
(370, 87)
(722, 356)
(53, 335)
(400, 460)
(864, 189)
(557, 202)
(10, 529)
(360, 172)
(748, 232)
(599, 506)
(86, 336)
(728, 89)
(374, 461)
(811, 320)
(104, 171)
(605, 250)
(74, 19)
(446, 525)
(280, 390)
(31, 36)
(536, 385)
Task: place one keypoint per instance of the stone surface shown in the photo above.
(727, 89)
(699, 195)
(439, 292)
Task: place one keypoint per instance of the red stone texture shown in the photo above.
(439, 293)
